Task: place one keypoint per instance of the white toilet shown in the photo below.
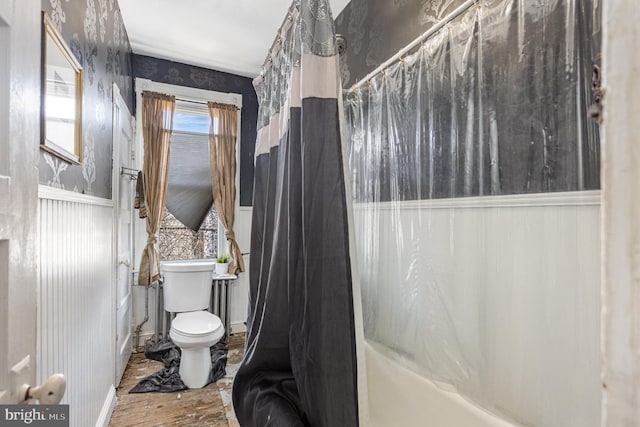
(187, 291)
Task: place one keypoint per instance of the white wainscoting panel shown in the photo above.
(76, 300)
(520, 281)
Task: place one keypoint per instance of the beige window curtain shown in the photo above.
(222, 154)
(157, 124)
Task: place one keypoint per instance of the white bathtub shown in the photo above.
(399, 397)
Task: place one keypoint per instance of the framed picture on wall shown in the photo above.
(61, 102)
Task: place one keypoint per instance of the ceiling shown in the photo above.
(225, 35)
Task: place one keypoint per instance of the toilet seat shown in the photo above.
(195, 332)
(196, 324)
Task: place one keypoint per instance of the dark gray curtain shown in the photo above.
(300, 364)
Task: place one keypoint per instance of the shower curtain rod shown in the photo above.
(421, 38)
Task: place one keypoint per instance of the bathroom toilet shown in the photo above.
(195, 332)
(187, 291)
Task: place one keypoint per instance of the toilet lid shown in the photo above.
(196, 323)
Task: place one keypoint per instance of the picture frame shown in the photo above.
(61, 101)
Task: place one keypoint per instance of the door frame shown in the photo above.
(620, 226)
(119, 103)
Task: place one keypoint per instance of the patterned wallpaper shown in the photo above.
(94, 31)
(163, 71)
(377, 29)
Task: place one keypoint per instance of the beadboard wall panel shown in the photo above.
(76, 301)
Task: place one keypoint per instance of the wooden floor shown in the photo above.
(208, 406)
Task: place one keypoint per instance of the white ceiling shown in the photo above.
(225, 35)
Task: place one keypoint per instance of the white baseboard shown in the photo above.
(107, 408)
(237, 328)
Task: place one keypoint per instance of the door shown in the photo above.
(19, 151)
(123, 179)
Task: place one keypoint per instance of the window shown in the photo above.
(189, 204)
(179, 242)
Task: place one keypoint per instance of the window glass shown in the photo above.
(191, 122)
(178, 242)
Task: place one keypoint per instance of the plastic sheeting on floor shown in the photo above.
(168, 379)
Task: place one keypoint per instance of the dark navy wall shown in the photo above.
(94, 31)
(163, 71)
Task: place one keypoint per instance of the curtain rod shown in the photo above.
(444, 21)
(194, 101)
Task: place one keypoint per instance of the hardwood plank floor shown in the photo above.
(209, 406)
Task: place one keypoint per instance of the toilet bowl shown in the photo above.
(187, 291)
(195, 332)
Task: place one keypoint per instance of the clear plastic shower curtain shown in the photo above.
(299, 367)
(482, 294)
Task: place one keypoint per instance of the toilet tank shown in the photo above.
(187, 284)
